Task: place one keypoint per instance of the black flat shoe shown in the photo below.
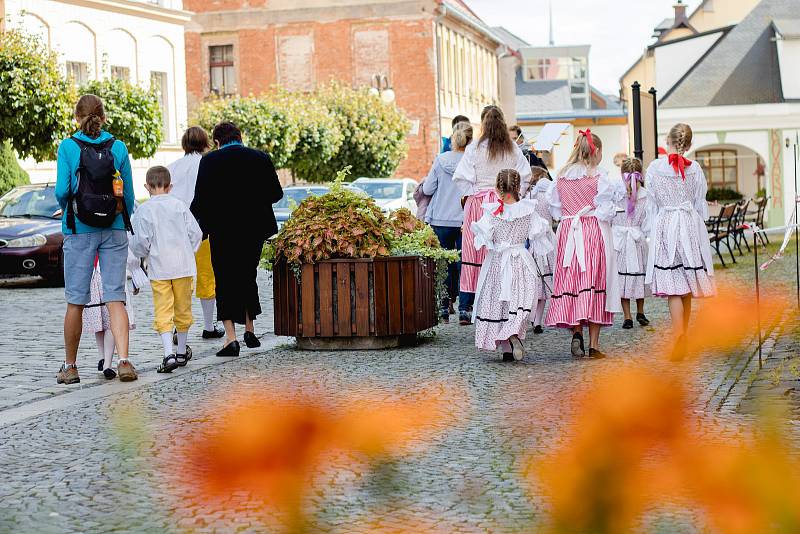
(109, 373)
(508, 357)
(627, 325)
(216, 333)
(576, 347)
(642, 320)
(231, 349)
(596, 354)
(100, 364)
(538, 329)
(251, 340)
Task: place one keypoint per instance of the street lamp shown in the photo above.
(380, 87)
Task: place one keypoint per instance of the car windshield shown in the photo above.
(293, 197)
(381, 190)
(26, 202)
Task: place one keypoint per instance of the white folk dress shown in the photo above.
(545, 263)
(508, 285)
(680, 261)
(585, 280)
(630, 242)
(95, 314)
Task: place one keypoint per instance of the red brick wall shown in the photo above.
(410, 59)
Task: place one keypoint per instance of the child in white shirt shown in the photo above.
(167, 235)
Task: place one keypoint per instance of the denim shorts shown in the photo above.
(80, 250)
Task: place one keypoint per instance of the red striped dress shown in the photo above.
(579, 297)
(471, 259)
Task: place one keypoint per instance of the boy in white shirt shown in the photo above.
(167, 235)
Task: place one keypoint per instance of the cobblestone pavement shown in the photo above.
(69, 469)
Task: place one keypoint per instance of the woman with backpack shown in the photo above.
(94, 188)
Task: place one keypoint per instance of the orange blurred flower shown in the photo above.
(271, 445)
(729, 319)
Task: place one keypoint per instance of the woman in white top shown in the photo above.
(476, 176)
(195, 143)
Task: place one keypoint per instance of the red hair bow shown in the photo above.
(679, 163)
(587, 133)
(500, 209)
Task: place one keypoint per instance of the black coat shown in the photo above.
(236, 187)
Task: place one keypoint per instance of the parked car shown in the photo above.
(292, 197)
(390, 194)
(30, 233)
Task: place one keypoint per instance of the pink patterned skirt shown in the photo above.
(471, 259)
(579, 297)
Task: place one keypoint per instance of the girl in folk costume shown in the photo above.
(476, 176)
(630, 228)
(585, 281)
(96, 319)
(508, 285)
(540, 191)
(679, 265)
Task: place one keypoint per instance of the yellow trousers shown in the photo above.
(206, 285)
(172, 300)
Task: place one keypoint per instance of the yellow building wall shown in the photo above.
(715, 14)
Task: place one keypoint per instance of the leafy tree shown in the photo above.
(320, 136)
(35, 100)
(11, 174)
(133, 114)
(265, 124)
(374, 132)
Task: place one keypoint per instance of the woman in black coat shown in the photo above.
(236, 187)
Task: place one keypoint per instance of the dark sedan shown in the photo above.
(30, 233)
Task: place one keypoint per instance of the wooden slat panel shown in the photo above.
(433, 304)
(292, 296)
(307, 291)
(381, 298)
(362, 299)
(325, 300)
(409, 295)
(343, 299)
(278, 302)
(395, 294)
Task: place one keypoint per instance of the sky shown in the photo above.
(618, 30)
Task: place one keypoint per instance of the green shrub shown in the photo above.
(265, 125)
(718, 194)
(133, 114)
(374, 132)
(35, 100)
(11, 174)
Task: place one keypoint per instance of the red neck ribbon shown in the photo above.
(500, 209)
(679, 163)
(587, 133)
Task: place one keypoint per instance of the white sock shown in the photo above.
(101, 346)
(109, 349)
(182, 342)
(208, 314)
(539, 312)
(166, 340)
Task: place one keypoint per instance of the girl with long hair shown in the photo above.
(585, 281)
(680, 265)
(476, 176)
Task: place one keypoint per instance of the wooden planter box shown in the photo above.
(355, 303)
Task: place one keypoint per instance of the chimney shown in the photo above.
(680, 15)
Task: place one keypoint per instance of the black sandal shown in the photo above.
(576, 346)
(183, 359)
(642, 319)
(168, 364)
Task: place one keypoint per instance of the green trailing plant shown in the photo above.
(721, 194)
(35, 100)
(133, 114)
(761, 193)
(11, 174)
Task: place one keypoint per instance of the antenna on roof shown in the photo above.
(552, 41)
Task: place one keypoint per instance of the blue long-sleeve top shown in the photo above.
(69, 156)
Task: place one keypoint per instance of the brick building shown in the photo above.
(439, 58)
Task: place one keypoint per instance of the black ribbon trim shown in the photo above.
(479, 318)
(472, 264)
(573, 295)
(631, 274)
(680, 266)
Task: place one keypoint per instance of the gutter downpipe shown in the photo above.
(437, 23)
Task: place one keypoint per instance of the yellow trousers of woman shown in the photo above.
(206, 287)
